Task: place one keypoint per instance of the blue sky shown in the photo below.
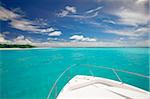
(83, 22)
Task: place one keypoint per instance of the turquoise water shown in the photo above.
(29, 74)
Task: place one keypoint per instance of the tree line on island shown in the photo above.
(16, 46)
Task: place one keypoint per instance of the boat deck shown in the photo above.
(89, 87)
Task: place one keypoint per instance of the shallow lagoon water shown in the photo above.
(29, 74)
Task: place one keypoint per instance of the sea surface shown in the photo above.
(30, 73)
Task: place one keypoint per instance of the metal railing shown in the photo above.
(90, 71)
(55, 83)
(117, 70)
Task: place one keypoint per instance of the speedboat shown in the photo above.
(91, 87)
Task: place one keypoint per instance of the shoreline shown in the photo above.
(24, 48)
(11, 48)
(62, 47)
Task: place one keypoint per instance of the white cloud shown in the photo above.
(110, 21)
(40, 21)
(63, 13)
(55, 33)
(112, 43)
(18, 10)
(20, 37)
(82, 38)
(48, 30)
(67, 10)
(93, 10)
(21, 40)
(55, 39)
(77, 37)
(51, 39)
(130, 32)
(83, 16)
(141, 1)
(71, 9)
(143, 43)
(116, 43)
(142, 30)
(30, 26)
(131, 17)
(7, 14)
(71, 12)
(121, 32)
(18, 40)
(130, 12)
(24, 25)
(2, 39)
(19, 22)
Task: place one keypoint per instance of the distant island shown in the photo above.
(16, 46)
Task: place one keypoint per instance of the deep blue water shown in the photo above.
(29, 74)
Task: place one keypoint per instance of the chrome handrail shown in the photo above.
(124, 71)
(117, 76)
(54, 85)
(103, 67)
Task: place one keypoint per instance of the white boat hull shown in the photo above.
(89, 87)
